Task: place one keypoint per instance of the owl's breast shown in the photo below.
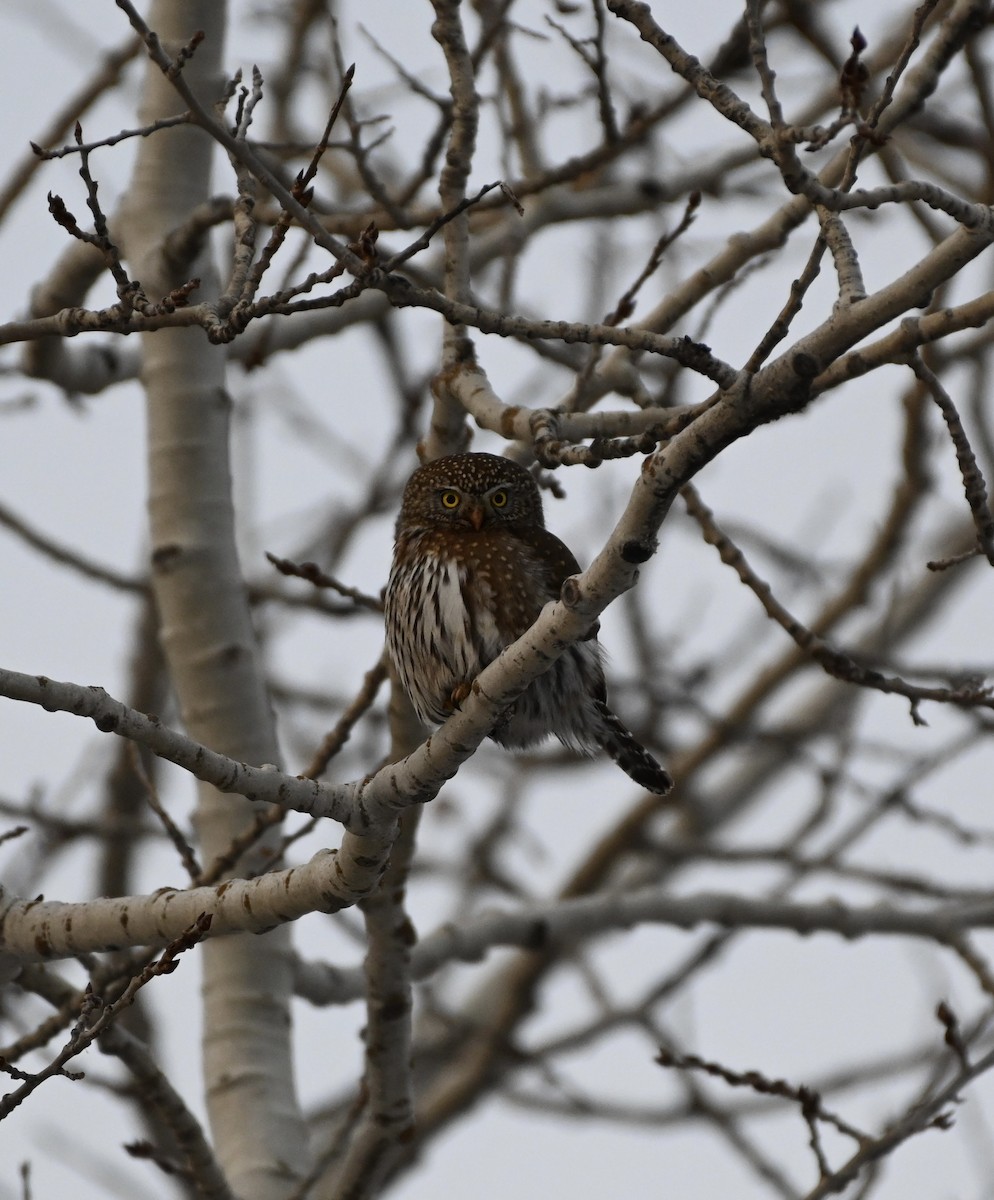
(461, 622)
(440, 623)
(456, 599)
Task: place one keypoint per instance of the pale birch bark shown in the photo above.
(206, 631)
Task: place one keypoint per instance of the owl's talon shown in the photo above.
(459, 694)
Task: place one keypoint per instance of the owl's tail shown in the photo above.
(633, 758)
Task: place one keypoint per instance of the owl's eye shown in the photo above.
(450, 499)
(498, 499)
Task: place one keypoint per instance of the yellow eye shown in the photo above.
(499, 499)
(450, 499)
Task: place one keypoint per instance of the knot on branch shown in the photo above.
(636, 552)
(570, 594)
(805, 365)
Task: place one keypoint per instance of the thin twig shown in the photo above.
(836, 663)
(973, 479)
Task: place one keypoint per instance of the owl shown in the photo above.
(473, 566)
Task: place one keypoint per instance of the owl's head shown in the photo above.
(470, 491)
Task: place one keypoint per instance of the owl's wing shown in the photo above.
(558, 564)
(555, 557)
(549, 563)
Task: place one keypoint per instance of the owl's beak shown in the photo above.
(476, 517)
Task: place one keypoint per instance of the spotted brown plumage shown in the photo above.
(473, 567)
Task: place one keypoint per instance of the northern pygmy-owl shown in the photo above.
(473, 566)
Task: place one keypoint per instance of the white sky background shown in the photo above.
(77, 472)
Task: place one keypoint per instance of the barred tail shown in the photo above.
(630, 755)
